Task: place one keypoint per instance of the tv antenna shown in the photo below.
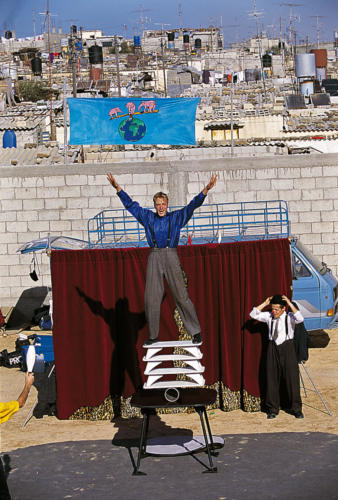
(318, 26)
(292, 18)
(143, 19)
(256, 14)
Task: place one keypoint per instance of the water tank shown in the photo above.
(321, 74)
(185, 38)
(8, 34)
(267, 61)
(95, 54)
(73, 29)
(336, 38)
(307, 88)
(171, 36)
(305, 65)
(320, 57)
(198, 43)
(137, 41)
(9, 139)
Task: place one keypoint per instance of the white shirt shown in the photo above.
(266, 317)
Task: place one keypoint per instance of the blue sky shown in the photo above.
(125, 17)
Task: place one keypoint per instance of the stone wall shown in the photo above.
(37, 201)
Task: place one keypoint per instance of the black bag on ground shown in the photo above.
(40, 313)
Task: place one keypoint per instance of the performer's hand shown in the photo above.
(113, 182)
(286, 299)
(210, 185)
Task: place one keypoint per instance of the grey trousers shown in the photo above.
(165, 262)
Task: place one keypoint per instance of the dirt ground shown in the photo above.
(322, 367)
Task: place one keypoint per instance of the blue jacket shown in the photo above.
(161, 230)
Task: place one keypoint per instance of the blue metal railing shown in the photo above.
(210, 223)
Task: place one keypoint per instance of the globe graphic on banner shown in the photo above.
(132, 129)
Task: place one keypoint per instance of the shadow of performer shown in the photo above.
(123, 327)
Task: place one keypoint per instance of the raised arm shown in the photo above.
(113, 182)
(210, 184)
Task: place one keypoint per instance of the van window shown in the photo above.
(316, 263)
(299, 269)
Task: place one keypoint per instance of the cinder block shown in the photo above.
(308, 238)
(5, 292)
(330, 238)
(25, 237)
(245, 196)
(299, 206)
(289, 173)
(50, 192)
(32, 182)
(239, 174)
(8, 216)
(90, 191)
(322, 227)
(312, 194)
(4, 249)
(323, 249)
(137, 190)
(76, 180)
(77, 202)
(54, 181)
(99, 203)
(301, 227)
(27, 215)
(267, 173)
(193, 188)
(79, 225)
(7, 194)
(291, 194)
(323, 182)
(311, 172)
(322, 206)
(88, 213)
(49, 215)
(330, 171)
(99, 180)
(309, 217)
(9, 260)
(59, 226)
(282, 184)
(266, 195)
(7, 205)
(4, 270)
(225, 197)
(10, 182)
(8, 237)
(16, 227)
(307, 183)
(32, 204)
(56, 203)
(75, 213)
(240, 185)
(38, 226)
(25, 193)
(143, 178)
(70, 191)
(331, 193)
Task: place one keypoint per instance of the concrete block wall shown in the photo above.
(36, 201)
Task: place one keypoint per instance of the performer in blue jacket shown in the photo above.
(163, 232)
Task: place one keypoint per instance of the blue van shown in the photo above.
(315, 288)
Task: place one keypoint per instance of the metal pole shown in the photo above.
(163, 67)
(232, 116)
(117, 66)
(65, 145)
(52, 133)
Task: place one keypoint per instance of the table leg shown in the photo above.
(201, 411)
(142, 445)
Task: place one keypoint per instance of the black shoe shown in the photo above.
(299, 414)
(151, 341)
(271, 415)
(197, 339)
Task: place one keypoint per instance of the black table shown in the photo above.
(198, 398)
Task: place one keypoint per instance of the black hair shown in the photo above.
(278, 300)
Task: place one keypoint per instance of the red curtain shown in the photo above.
(99, 323)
